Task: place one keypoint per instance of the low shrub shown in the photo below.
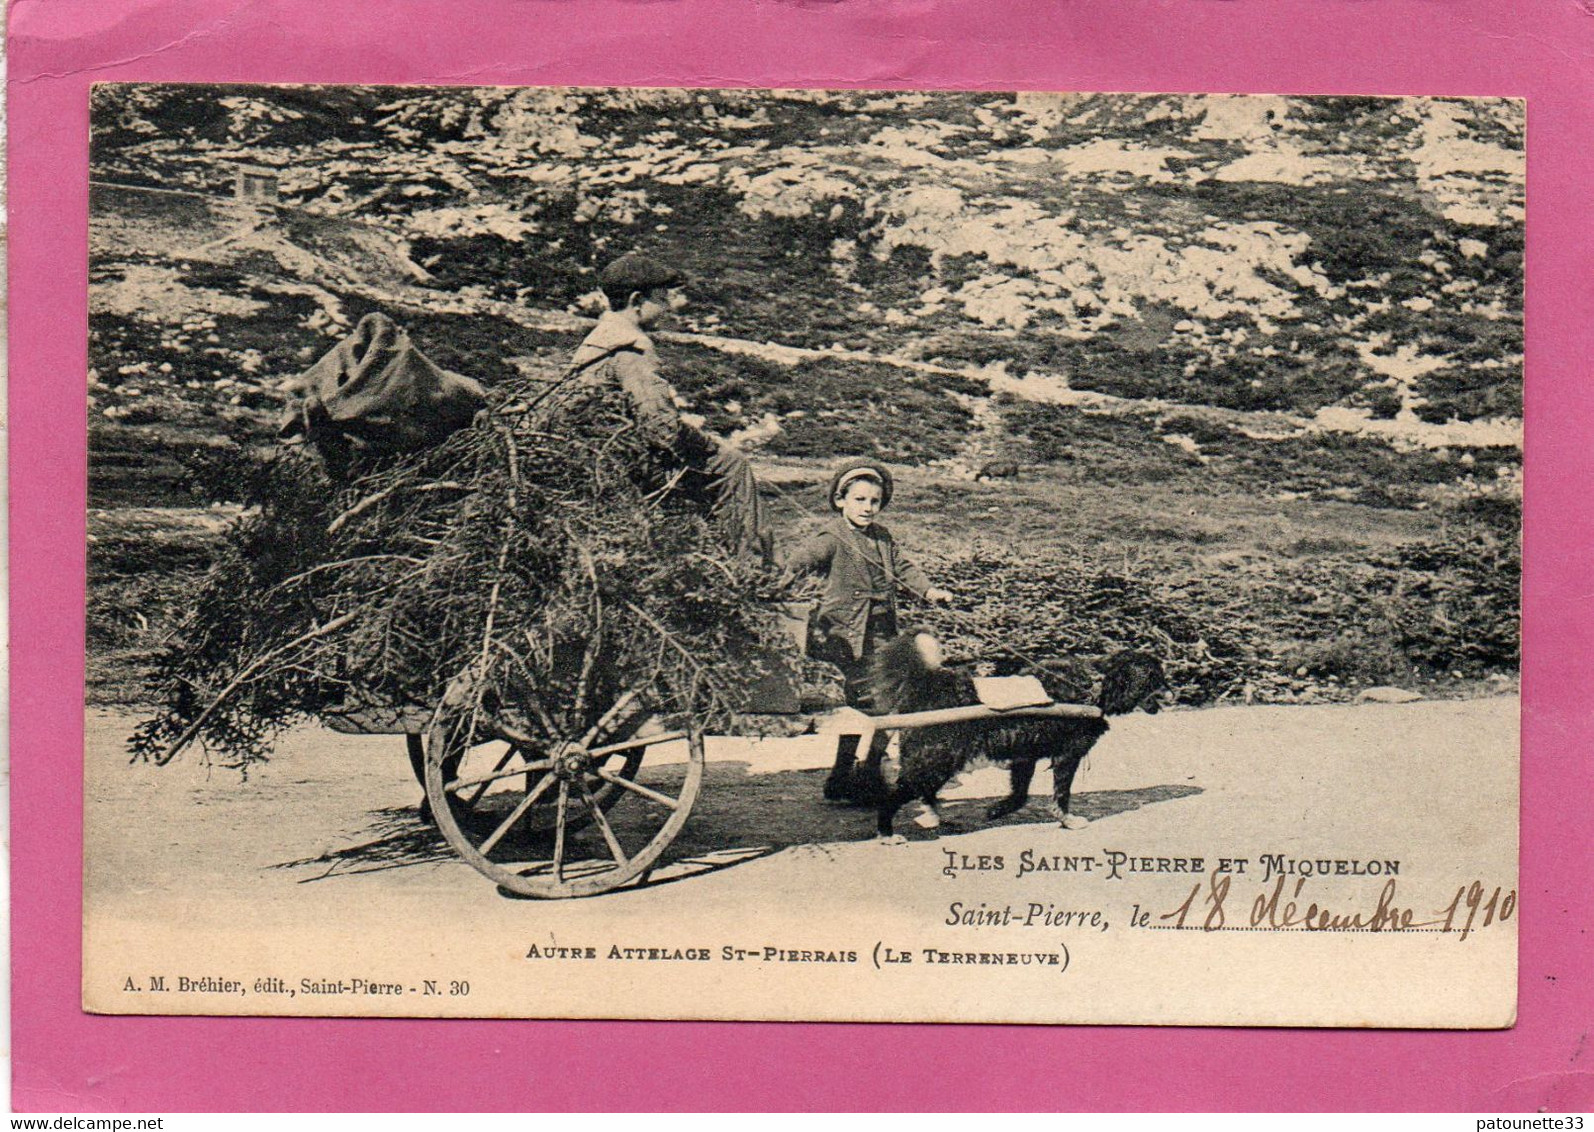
(1361, 656)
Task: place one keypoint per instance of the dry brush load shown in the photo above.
(545, 556)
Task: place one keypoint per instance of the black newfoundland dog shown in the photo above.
(909, 676)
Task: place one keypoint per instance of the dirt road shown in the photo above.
(322, 848)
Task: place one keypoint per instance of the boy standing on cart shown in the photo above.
(618, 354)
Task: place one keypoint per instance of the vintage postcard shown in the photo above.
(803, 555)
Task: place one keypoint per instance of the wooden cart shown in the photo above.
(528, 805)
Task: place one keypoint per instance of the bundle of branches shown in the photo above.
(547, 557)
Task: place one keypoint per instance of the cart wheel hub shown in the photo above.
(572, 762)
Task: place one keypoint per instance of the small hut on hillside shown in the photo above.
(255, 184)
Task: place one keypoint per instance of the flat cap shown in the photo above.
(637, 272)
(852, 470)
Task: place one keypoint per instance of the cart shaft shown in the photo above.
(972, 712)
(850, 721)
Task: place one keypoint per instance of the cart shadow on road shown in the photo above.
(739, 817)
(398, 837)
(780, 811)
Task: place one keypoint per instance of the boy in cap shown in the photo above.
(864, 569)
(618, 354)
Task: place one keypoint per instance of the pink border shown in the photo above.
(67, 1061)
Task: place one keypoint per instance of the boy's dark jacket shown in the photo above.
(840, 549)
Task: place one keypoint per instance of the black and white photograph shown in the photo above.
(830, 555)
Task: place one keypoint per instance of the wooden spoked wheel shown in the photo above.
(530, 808)
(490, 757)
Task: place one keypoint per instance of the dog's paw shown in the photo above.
(927, 819)
(890, 839)
(1074, 821)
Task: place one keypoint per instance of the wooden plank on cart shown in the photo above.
(1004, 693)
(369, 719)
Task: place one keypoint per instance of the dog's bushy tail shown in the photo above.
(900, 675)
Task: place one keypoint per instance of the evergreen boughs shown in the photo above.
(548, 553)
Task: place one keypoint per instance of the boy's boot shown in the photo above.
(838, 787)
(851, 781)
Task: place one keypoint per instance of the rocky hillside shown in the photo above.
(1350, 260)
(1258, 359)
